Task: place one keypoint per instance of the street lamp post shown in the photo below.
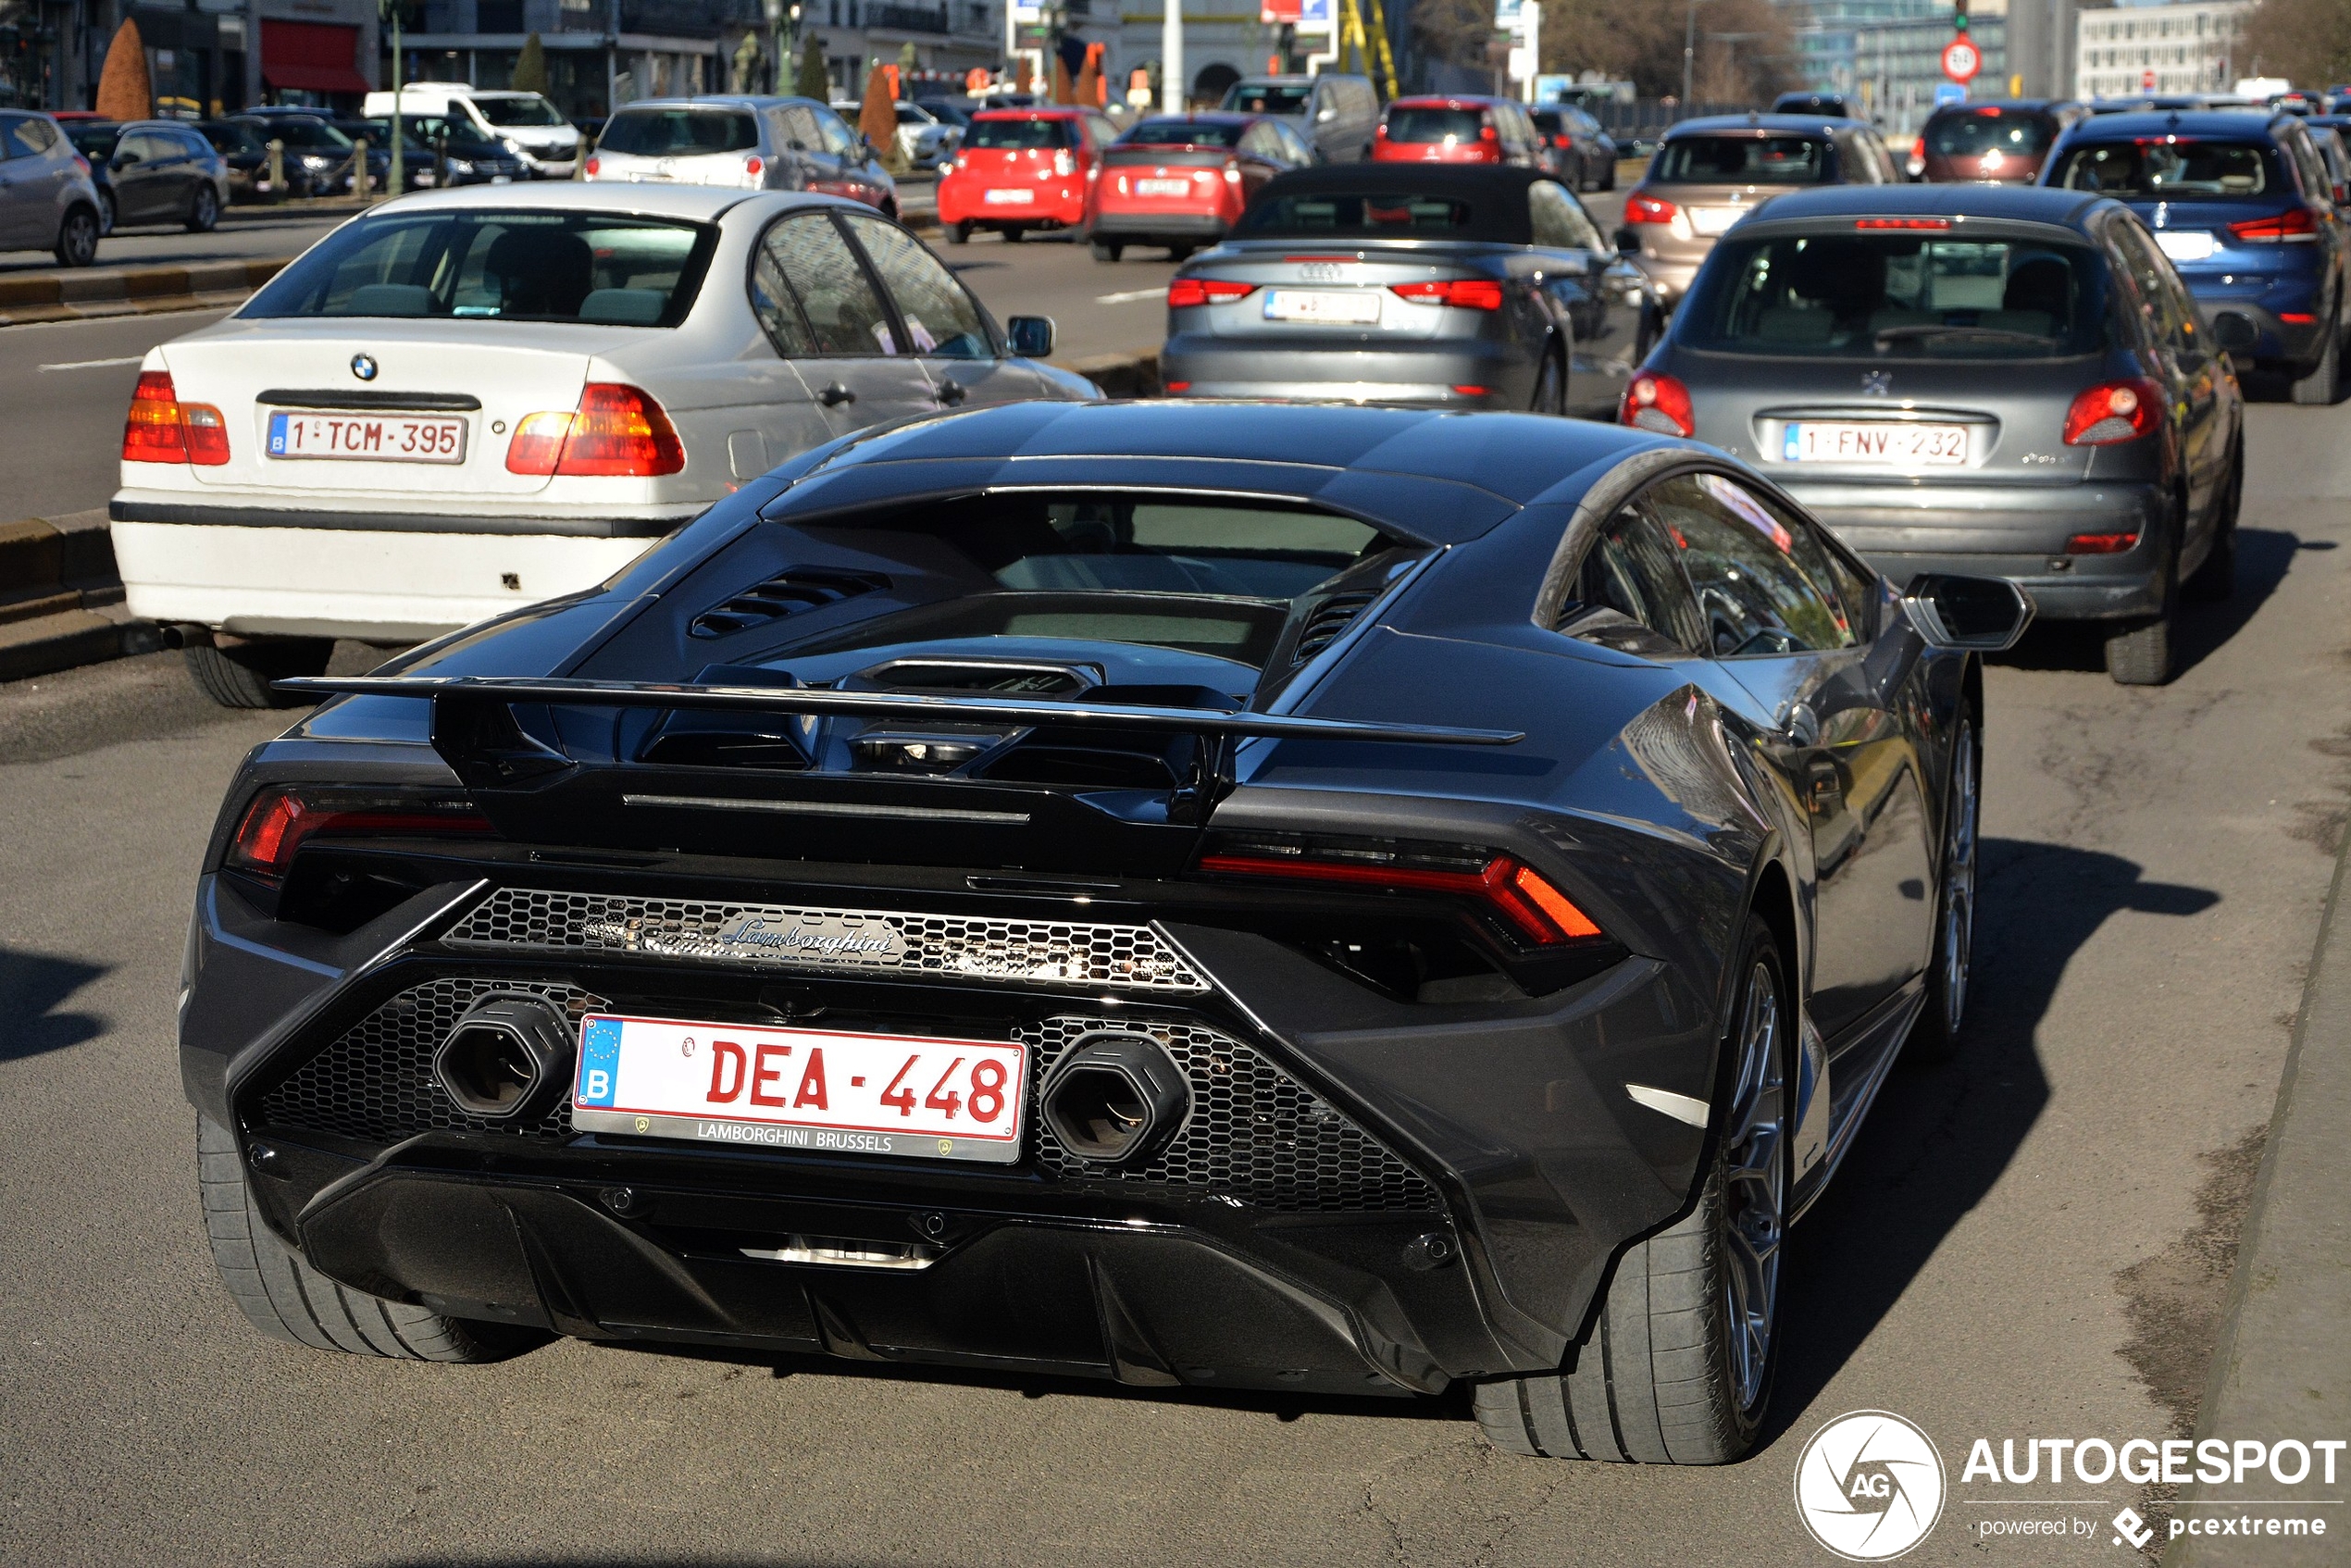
(394, 178)
(1171, 59)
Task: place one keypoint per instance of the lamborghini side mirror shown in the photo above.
(1978, 614)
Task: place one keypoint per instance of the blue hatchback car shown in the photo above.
(2244, 206)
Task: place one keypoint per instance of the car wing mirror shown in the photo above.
(1031, 336)
(1628, 242)
(2235, 333)
(1981, 615)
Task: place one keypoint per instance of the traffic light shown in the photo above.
(1959, 17)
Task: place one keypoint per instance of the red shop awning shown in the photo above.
(310, 57)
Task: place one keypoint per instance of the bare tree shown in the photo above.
(2308, 42)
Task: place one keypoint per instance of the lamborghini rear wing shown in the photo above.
(893, 705)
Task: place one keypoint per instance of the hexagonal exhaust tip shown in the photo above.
(1116, 1098)
(506, 1058)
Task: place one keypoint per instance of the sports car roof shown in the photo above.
(1442, 477)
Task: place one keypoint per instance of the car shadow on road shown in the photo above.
(2264, 558)
(34, 987)
(1940, 1136)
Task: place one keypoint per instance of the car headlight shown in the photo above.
(511, 145)
(315, 160)
(460, 166)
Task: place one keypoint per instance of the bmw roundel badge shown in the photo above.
(363, 366)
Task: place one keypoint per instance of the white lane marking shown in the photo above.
(95, 364)
(1131, 295)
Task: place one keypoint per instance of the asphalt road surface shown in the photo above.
(244, 232)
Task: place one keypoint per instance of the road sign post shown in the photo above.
(1961, 60)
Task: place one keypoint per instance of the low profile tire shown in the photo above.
(282, 1296)
(78, 238)
(1936, 1036)
(1678, 1367)
(960, 234)
(2321, 387)
(204, 210)
(238, 677)
(1550, 388)
(1108, 250)
(2216, 581)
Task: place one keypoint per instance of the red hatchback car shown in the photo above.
(1023, 169)
(2000, 143)
(1459, 130)
(1181, 181)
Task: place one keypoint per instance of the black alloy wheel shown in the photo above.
(238, 675)
(203, 209)
(78, 238)
(1935, 1038)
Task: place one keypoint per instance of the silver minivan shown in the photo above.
(47, 202)
(755, 142)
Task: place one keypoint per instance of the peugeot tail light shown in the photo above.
(1647, 210)
(753, 166)
(616, 432)
(1657, 402)
(595, 166)
(1468, 293)
(283, 818)
(1185, 292)
(2117, 411)
(152, 431)
(2293, 226)
(1528, 904)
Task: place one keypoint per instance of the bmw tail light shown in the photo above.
(1659, 402)
(1647, 210)
(207, 434)
(1528, 904)
(616, 432)
(2295, 225)
(152, 431)
(2117, 411)
(1467, 293)
(1185, 292)
(282, 820)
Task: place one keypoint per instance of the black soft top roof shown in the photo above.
(1496, 195)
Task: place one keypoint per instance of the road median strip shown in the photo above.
(61, 597)
(67, 296)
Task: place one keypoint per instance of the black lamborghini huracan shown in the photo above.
(1285, 898)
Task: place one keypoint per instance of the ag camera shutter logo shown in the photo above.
(1869, 1486)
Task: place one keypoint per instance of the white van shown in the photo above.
(526, 124)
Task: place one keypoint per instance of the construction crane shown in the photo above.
(1352, 36)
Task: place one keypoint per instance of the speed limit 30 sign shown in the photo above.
(1961, 60)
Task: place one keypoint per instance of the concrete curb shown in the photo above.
(2282, 1367)
(67, 297)
(1134, 373)
(61, 597)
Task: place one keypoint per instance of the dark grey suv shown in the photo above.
(1996, 382)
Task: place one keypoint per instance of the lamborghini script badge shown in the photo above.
(780, 938)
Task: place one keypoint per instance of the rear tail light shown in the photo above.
(595, 166)
(2293, 226)
(1467, 293)
(616, 432)
(1530, 906)
(160, 428)
(2118, 411)
(281, 821)
(2100, 543)
(1232, 172)
(1381, 133)
(753, 166)
(2298, 317)
(1185, 292)
(1649, 209)
(1064, 163)
(1659, 402)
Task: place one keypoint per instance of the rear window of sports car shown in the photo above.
(1206, 577)
(596, 268)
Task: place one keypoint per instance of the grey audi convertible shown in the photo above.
(1082, 889)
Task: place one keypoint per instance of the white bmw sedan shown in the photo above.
(470, 400)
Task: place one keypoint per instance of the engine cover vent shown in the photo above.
(787, 594)
(1329, 618)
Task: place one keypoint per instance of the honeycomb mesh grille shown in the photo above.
(1255, 1134)
(1256, 1138)
(375, 1083)
(869, 941)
